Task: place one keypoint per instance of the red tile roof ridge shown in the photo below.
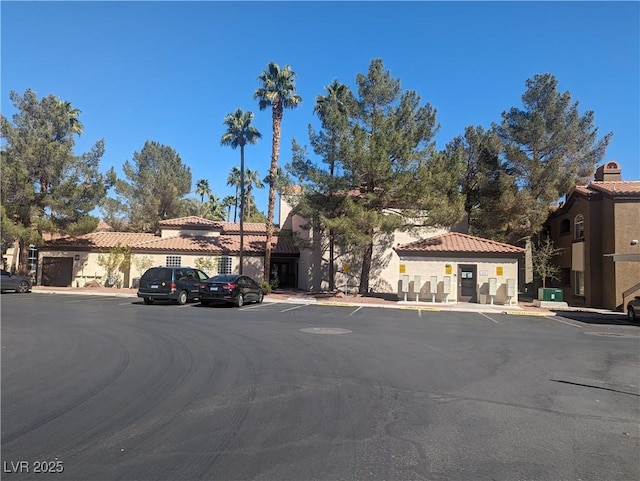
(459, 242)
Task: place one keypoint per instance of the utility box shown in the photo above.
(493, 286)
(550, 294)
(433, 285)
(405, 283)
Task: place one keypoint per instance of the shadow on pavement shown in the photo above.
(613, 319)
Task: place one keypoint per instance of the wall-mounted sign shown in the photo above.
(499, 271)
(346, 268)
(448, 269)
(403, 268)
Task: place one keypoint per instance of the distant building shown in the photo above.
(600, 266)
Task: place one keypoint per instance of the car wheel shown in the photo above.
(630, 314)
(182, 298)
(23, 287)
(240, 300)
(148, 300)
(204, 303)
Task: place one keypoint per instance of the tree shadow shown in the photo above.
(588, 317)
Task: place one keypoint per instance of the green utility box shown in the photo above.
(549, 294)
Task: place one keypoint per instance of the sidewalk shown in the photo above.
(302, 297)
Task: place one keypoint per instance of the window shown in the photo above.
(224, 265)
(578, 224)
(579, 283)
(173, 261)
(565, 226)
(33, 258)
(565, 276)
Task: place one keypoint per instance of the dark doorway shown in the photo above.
(57, 271)
(284, 271)
(467, 283)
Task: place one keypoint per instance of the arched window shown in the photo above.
(578, 227)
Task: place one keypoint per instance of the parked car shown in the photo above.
(230, 288)
(633, 309)
(14, 282)
(178, 284)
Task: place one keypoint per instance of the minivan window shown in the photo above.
(157, 273)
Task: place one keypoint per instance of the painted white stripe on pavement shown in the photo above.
(492, 320)
(356, 310)
(564, 322)
(292, 308)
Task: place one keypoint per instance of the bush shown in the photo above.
(266, 288)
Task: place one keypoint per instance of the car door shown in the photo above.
(8, 281)
(192, 282)
(245, 288)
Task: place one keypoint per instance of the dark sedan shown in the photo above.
(230, 288)
(14, 282)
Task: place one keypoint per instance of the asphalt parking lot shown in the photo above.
(107, 388)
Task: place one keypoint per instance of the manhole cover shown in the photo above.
(325, 330)
(609, 334)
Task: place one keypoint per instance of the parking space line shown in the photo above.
(356, 310)
(492, 320)
(295, 307)
(564, 322)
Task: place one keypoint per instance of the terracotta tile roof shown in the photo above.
(190, 221)
(463, 243)
(103, 240)
(201, 223)
(619, 187)
(249, 227)
(253, 244)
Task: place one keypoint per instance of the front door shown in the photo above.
(467, 283)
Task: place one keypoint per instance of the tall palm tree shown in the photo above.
(228, 202)
(278, 90)
(215, 209)
(332, 110)
(202, 189)
(239, 133)
(234, 180)
(251, 180)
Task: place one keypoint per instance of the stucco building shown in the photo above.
(596, 227)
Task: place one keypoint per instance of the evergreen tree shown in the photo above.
(45, 186)
(489, 187)
(157, 183)
(382, 172)
(549, 147)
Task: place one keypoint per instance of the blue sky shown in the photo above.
(171, 71)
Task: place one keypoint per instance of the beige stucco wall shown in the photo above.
(486, 268)
(627, 273)
(86, 268)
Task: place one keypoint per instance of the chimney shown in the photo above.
(608, 172)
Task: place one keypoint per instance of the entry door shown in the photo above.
(467, 284)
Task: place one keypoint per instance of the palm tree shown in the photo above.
(239, 133)
(278, 91)
(228, 202)
(234, 180)
(332, 110)
(251, 180)
(215, 209)
(202, 189)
